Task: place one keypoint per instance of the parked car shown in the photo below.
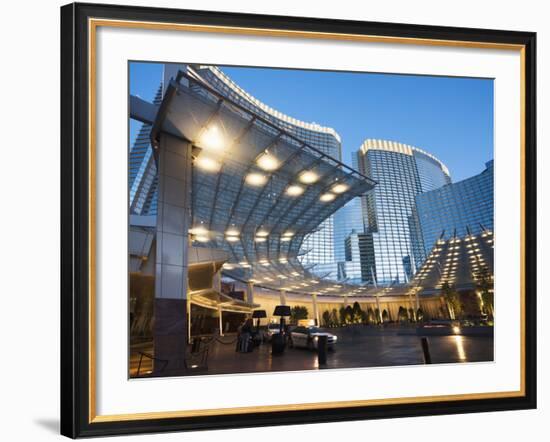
(272, 329)
(308, 337)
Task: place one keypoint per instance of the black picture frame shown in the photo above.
(75, 221)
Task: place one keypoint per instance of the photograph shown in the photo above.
(282, 220)
(302, 219)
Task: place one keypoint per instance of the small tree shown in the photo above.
(402, 314)
(298, 312)
(452, 300)
(334, 317)
(356, 313)
(484, 285)
(342, 315)
(326, 319)
(349, 314)
(371, 319)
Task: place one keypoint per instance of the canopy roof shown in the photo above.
(257, 191)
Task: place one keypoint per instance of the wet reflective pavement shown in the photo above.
(364, 348)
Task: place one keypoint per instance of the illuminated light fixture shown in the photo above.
(260, 239)
(294, 190)
(252, 280)
(308, 177)
(212, 139)
(262, 233)
(288, 233)
(232, 232)
(295, 274)
(264, 262)
(326, 197)
(256, 179)
(286, 238)
(207, 164)
(283, 260)
(281, 277)
(268, 162)
(228, 266)
(340, 188)
(314, 282)
(232, 238)
(201, 238)
(199, 230)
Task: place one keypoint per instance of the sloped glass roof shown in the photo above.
(257, 191)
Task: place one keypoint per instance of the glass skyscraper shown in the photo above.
(457, 208)
(392, 235)
(142, 171)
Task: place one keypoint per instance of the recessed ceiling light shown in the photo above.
(199, 230)
(256, 179)
(308, 177)
(294, 190)
(212, 138)
(268, 162)
(326, 197)
(207, 164)
(340, 188)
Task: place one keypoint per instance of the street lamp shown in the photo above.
(258, 314)
(278, 340)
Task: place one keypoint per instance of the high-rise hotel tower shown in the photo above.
(394, 237)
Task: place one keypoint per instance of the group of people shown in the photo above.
(246, 335)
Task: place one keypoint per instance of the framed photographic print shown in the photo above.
(278, 220)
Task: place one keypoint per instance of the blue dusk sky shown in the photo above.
(452, 118)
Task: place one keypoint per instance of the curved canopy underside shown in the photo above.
(257, 191)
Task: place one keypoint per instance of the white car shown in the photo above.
(308, 337)
(272, 329)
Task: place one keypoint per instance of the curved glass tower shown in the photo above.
(395, 248)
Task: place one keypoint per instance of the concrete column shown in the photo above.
(315, 310)
(379, 319)
(250, 293)
(220, 320)
(170, 308)
(217, 281)
(282, 294)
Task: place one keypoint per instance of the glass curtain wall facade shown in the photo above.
(402, 172)
(457, 209)
(142, 171)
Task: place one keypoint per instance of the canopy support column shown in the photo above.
(315, 309)
(170, 334)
